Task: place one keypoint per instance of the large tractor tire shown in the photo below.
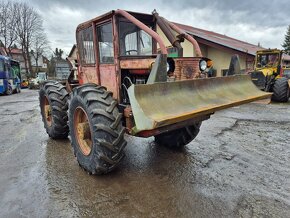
(96, 130)
(177, 139)
(281, 90)
(53, 99)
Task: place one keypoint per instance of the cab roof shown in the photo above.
(140, 16)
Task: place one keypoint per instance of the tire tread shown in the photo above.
(281, 90)
(107, 130)
(58, 100)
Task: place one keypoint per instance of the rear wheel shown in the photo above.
(53, 99)
(96, 130)
(281, 90)
(178, 138)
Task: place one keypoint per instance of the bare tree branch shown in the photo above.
(8, 22)
(28, 28)
(40, 45)
(21, 24)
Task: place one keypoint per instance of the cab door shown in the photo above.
(106, 61)
(86, 53)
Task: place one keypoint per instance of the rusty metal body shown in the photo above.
(186, 68)
(150, 106)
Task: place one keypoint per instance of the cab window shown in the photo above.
(267, 60)
(87, 52)
(105, 39)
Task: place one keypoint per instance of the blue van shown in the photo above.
(10, 77)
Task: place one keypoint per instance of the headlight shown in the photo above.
(202, 65)
(1, 82)
(168, 67)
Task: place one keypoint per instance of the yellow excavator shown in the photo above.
(124, 86)
(270, 75)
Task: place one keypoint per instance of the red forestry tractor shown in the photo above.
(123, 86)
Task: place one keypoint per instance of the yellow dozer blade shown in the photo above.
(160, 104)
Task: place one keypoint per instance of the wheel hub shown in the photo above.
(82, 131)
(47, 112)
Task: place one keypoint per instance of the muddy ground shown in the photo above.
(238, 166)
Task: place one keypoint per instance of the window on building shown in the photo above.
(224, 72)
(87, 52)
(105, 39)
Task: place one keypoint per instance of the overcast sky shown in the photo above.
(253, 21)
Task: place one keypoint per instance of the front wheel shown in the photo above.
(281, 90)
(96, 130)
(178, 138)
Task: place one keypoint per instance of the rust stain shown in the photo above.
(137, 64)
(88, 75)
(109, 78)
(186, 68)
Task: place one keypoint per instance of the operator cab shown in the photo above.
(267, 60)
(118, 49)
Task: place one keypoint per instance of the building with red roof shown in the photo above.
(220, 49)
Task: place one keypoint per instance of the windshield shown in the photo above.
(134, 41)
(268, 60)
(15, 69)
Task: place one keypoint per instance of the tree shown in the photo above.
(286, 44)
(51, 66)
(39, 47)
(27, 28)
(58, 53)
(20, 26)
(55, 57)
(8, 23)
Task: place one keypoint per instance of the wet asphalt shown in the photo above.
(238, 166)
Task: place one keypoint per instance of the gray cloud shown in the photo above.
(256, 22)
(259, 12)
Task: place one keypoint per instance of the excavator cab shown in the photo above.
(268, 74)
